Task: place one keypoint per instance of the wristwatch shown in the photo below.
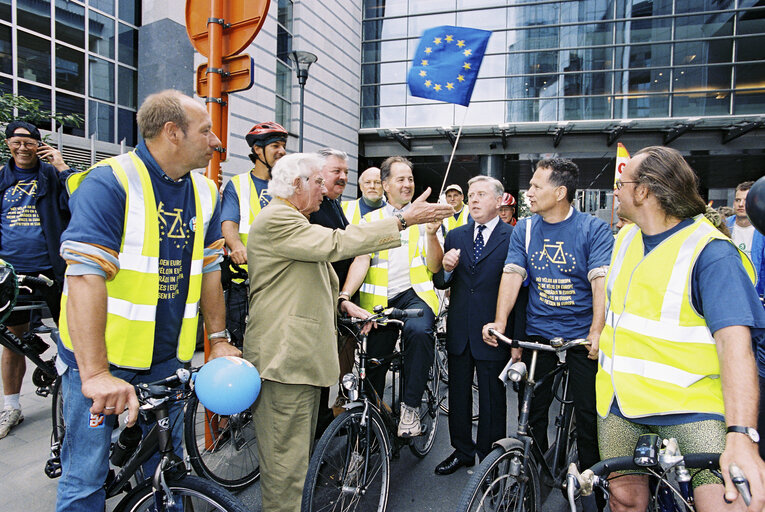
(220, 335)
(401, 219)
(748, 431)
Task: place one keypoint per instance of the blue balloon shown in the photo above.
(227, 385)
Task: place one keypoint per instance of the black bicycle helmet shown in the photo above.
(9, 290)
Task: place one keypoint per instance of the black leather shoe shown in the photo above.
(452, 463)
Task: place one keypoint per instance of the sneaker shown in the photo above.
(409, 423)
(9, 418)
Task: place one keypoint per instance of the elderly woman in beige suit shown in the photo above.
(291, 334)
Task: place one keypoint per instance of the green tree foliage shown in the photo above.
(31, 111)
(523, 208)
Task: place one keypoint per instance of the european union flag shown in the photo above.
(446, 64)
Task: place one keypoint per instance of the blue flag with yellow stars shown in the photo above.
(445, 66)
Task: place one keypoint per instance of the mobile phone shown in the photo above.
(647, 450)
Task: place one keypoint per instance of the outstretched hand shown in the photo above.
(420, 211)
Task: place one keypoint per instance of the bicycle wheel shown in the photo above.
(189, 493)
(444, 403)
(428, 413)
(350, 466)
(493, 488)
(230, 457)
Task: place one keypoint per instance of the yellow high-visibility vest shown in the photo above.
(374, 289)
(657, 355)
(352, 211)
(249, 205)
(134, 292)
(450, 222)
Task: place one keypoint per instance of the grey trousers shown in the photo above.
(284, 416)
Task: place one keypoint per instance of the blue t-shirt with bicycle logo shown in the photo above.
(24, 244)
(558, 259)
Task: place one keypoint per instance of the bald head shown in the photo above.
(370, 184)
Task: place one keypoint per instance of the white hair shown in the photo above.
(499, 189)
(325, 153)
(289, 167)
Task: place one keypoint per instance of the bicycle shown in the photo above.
(663, 462)
(350, 465)
(442, 358)
(45, 377)
(512, 475)
(171, 487)
(221, 448)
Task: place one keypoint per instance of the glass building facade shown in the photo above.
(557, 61)
(75, 57)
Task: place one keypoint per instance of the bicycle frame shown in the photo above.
(368, 395)
(158, 439)
(554, 472)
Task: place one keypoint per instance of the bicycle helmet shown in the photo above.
(755, 205)
(9, 290)
(507, 199)
(261, 135)
(227, 385)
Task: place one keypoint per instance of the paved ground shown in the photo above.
(24, 486)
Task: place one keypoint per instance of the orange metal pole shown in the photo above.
(214, 80)
(215, 37)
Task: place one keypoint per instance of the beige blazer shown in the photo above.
(291, 334)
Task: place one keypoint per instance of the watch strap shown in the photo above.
(750, 432)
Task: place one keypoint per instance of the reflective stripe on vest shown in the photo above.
(133, 293)
(352, 211)
(657, 355)
(374, 289)
(249, 203)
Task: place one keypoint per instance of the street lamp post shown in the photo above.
(303, 61)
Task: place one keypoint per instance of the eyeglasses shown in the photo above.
(319, 181)
(619, 183)
(17, 144)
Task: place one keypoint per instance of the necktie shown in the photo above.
(478, 243)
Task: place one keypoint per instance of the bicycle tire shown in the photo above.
(428, 413)
(340, 459)
(444, 403)
(492, 487)
(232, 458)
(194, 493)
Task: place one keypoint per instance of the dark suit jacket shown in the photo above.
(330, 215)
(474, 286)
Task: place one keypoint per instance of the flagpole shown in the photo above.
(454, 149)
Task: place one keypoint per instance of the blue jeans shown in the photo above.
(85, 450)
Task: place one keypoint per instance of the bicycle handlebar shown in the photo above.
(29, 282)
(162, 388)
(596, 476)
(556, 344)
(387, 315)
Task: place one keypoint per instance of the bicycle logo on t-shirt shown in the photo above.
(171, 226)
(553, 254)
